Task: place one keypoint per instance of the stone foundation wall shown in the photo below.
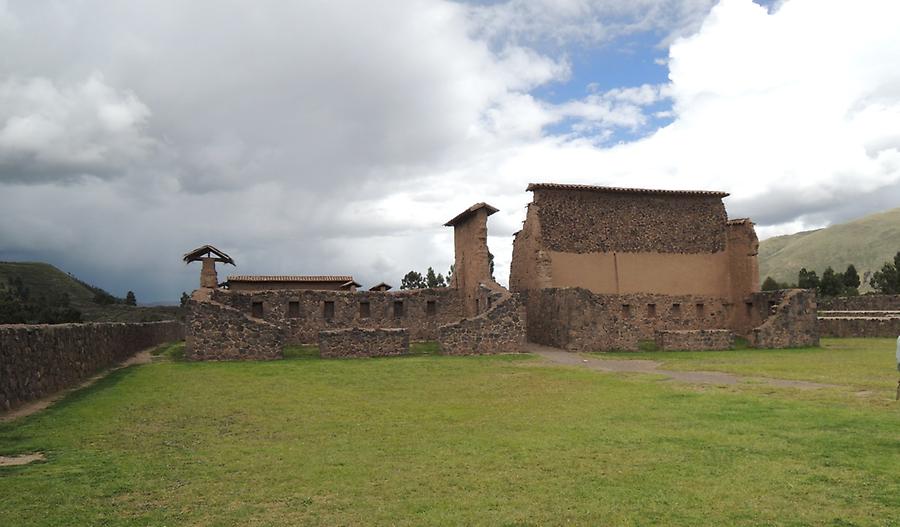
(359, 342)
(578, 320)
(862, 326)
(218, 332)
(695, 340)
(861, 303)
(40, 360)
(501, 329)
(308, 318)
(791, 320)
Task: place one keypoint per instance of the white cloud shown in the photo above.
(53, 132)
(338, 137)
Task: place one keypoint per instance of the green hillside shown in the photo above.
(867, 243)
(45, 280)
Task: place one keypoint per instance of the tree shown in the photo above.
(769, 284)
(491, 263)
(450, 275)
(432, 280)
(887, 280)
(130, 299)
(851, 277)
(412, 280)
(807, 279)
(832, 284)
(185, 298)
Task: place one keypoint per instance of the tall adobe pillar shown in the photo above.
(743, 247)
(472, 267)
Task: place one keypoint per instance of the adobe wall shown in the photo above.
(216, 331)
(501, 329)
(861, 303)
(578, 320)
(357, 342)
(531, 267)
(472, 261)
(310, 318)
(695, 340)
(40, 360)
(791, 320)
(743, 269)
(859, 326)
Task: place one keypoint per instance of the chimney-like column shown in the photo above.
(208, 276)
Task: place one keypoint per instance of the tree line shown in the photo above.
(885, 281)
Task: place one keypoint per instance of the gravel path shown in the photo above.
(558, 356)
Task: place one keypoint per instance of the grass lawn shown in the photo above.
(454, 440)
(860, 363)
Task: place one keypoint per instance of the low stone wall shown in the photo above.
(501, 329)
(218, 332)
(361, 342)
(40, 360)
(792, 321)
(861, 303)
(695, 340)
(843, 327)
(303, 314)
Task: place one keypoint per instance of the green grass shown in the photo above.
(858, 363)
(170, 350)
(434, 440)
(301, 351)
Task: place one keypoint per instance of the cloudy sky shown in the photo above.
(325, 137)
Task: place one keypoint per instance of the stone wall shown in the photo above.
(695, 340)
(218, 332)
(584, 221)
(39, 360)
(501, 329)
(861, 303)
(860, 326)
(471, 256)
(359, 342)
(579, 320)
(423, 311)
(790, 320)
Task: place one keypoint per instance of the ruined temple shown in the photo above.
(606, 267)
(593, 268)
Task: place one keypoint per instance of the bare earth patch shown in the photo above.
(22, 459)
(558, 356)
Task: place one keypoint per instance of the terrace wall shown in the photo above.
(859, 326)
(861, 303)
(39, 360)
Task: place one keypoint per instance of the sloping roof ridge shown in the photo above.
(480, 205)
(625, 190)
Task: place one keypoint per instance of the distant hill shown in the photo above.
(43, 279)
(867, 243)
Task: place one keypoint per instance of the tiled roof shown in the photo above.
(464, 214)
(620, 190)
(289, 278)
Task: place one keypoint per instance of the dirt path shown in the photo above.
(142, 357)
(558, 356)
